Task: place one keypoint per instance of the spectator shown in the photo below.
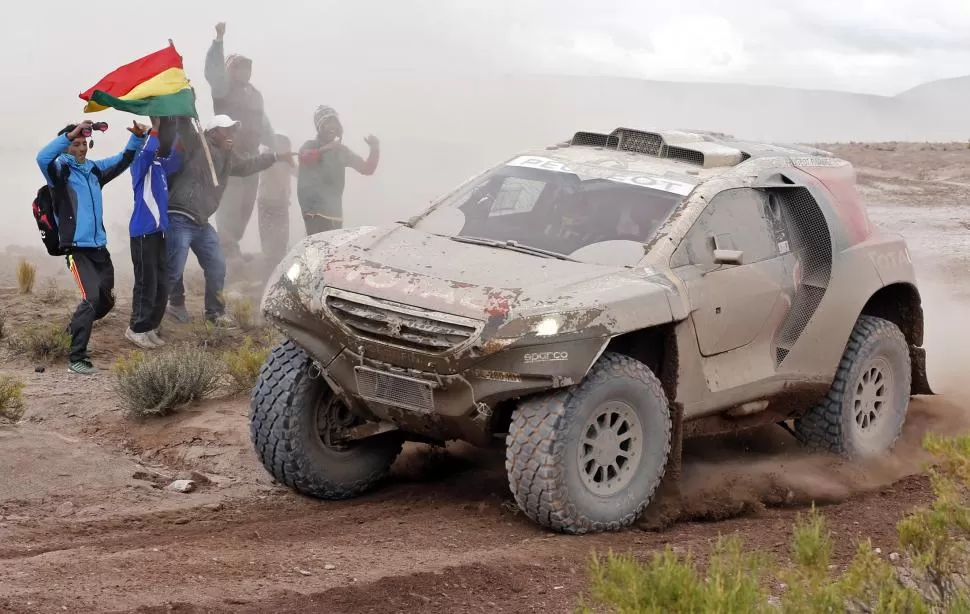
(323, 163)
(76, 184)
(235, 96)
(149, 221)
(274, 197)
(193, 199)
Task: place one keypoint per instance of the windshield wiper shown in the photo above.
(514, 246)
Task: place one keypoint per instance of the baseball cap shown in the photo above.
(221, 121)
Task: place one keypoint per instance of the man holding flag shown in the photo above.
(192, 201)
(156, 86)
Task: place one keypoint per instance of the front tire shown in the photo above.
(290, 408)
(863, 413)
(590, 458)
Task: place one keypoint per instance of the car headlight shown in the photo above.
(293, 273)
(547, 327)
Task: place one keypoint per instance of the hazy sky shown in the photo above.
(362, 56)
(877, 46)
(871, 46)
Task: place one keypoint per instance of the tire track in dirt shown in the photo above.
(255, 555)
(429, 537)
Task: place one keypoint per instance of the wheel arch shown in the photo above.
(656, 347)
(901, 303)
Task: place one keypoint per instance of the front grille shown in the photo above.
(400, 325)
(394, 390)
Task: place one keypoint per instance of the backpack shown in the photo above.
(43, 207)
(43, 210)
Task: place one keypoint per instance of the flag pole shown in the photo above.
(205, 148)
(201, 133)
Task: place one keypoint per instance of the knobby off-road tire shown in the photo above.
(554, 485)
(283, 429)
(863, 413)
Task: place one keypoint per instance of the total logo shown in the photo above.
(546, 357)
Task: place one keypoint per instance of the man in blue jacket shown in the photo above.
(76, 184)
(149, 221)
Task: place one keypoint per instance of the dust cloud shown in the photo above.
(741, 474)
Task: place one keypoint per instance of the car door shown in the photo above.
(733, 264)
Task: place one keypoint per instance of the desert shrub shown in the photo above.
(52, 293)
(127, 363)
(49, 341)
(162, 382)
(3, 323)
(931, 576)
(936, 537)
(669, 582)
(26, 276)
(244, 362)
(242, 311)
(11, 398)
(208, 336)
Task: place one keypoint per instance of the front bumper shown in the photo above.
(452, 395)
(442, 407)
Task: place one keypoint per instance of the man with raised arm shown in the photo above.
(234, 95)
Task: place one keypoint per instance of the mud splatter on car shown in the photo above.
(587, 305)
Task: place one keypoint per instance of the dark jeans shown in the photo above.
(150, 294)
(95, 277)
(184, 235)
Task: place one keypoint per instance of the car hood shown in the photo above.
(408, 266)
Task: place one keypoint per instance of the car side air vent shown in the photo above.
(685, 155)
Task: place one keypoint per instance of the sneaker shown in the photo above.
(223, 321)
(82, 367)
(153, 336)
(142, 340)
(178, 313)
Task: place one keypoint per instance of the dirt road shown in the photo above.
(86, 523)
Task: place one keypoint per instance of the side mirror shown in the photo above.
(728, 256)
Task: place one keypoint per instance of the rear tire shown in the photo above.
(590, 458)
(864, 411)
(288, 405)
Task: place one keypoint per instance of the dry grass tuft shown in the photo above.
(26, 276)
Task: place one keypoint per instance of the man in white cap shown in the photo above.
(193, 199)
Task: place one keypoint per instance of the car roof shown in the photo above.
(689, 156)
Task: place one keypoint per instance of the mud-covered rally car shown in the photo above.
(592, 304)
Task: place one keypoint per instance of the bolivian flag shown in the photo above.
(154, 85)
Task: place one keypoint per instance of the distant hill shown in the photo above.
(956, 89)
(533, 106)
(437, 131)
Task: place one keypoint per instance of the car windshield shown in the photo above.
(551, 208)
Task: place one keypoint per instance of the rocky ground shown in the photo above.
(88, 523)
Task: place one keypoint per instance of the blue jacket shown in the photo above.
(151, 205)
(78, 206)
